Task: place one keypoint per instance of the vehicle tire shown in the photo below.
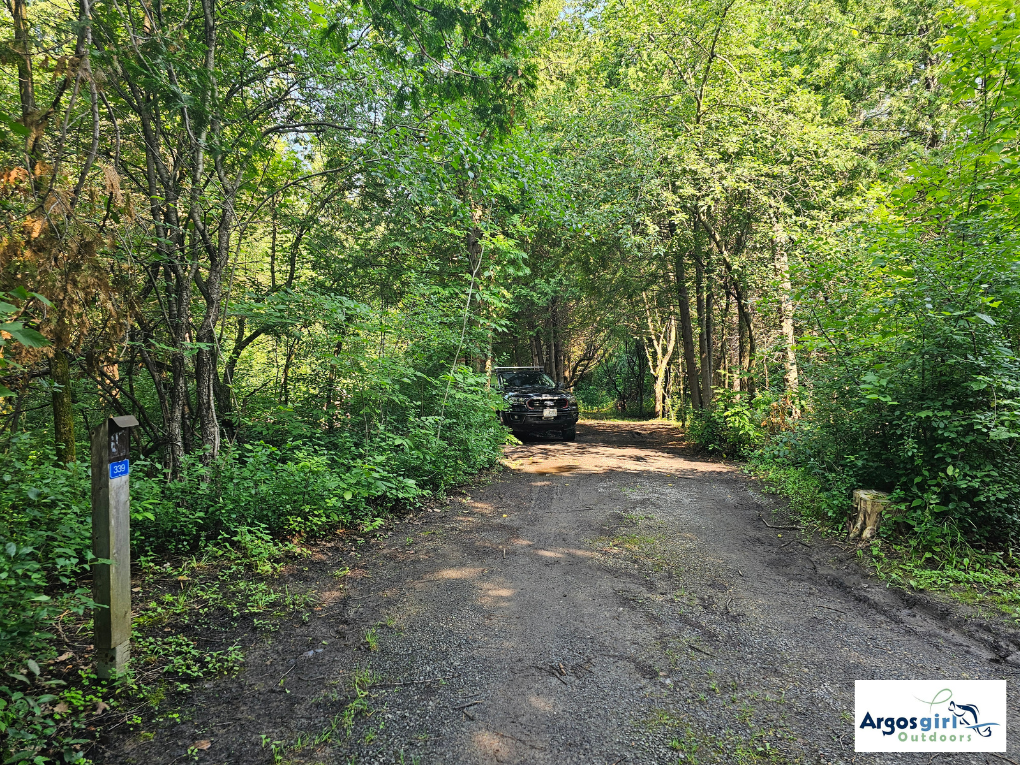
(570, 434)
(519, 435)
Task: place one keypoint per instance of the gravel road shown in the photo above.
(610, 601)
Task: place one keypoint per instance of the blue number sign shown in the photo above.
(118, 469)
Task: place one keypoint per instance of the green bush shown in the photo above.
(238, 505)
(296, 488)
(731, 425)
(937, 423)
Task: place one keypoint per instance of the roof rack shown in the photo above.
(518, 369)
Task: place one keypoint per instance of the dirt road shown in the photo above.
(605, 601)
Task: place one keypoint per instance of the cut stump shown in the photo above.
(870, 505)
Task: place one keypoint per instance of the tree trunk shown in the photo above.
(22, 47)
(725, 343)
(63, 413)
(663, 342)
(687, 331)
(782, 265)
(744, 319)
(288, 362)
(638, 352)
(178, 301)
(708, 363)
(176, 424)
(488, 357)
(661, 370)
(741, 348)
(704, 303)
(554, 345)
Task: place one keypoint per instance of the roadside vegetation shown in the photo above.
(802, 239)
(292, 240)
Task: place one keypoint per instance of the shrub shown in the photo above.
(937, 423)
(730, 425)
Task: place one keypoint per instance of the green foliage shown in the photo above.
(25, 720)
(812, 495)
(296, 488)
(14, 329)
(46, 533)
(181, 658)
(914, 359)
(938, 559)
(618, 386)
(234, 508)
(732, 425)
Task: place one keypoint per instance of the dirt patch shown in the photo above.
(611, 600)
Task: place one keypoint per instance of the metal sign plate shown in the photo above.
(118, 469)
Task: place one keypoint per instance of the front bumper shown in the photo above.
(535, 422)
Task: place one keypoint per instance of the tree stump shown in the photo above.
(869, 505)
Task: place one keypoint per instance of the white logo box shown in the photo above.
(930, 716)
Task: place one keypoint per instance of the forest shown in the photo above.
(293, 239)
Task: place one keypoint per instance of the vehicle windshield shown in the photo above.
(527, 380)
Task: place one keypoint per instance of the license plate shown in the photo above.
(548, 414)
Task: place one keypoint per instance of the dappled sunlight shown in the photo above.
(499, 592)
(492, 746)
(549, 554)
(462, 572)
(495, 596)
(573, 551)
(610, 448)
(544, 705)
(544, 469)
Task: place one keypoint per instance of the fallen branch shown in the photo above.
(830, 608)
(781, 528)
(288, 671)
(469, 704)
(702, 650)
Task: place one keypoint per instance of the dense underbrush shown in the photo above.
(947, 462)
(232, 520)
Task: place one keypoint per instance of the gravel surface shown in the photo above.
(611, 601)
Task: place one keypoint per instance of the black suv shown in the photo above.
(535, 404)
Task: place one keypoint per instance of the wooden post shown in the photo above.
(111, 540)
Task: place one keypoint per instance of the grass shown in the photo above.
(698, 747)
(636, 547)
(176, 602)
(340, 726)
(372, 640)
(217, 596)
